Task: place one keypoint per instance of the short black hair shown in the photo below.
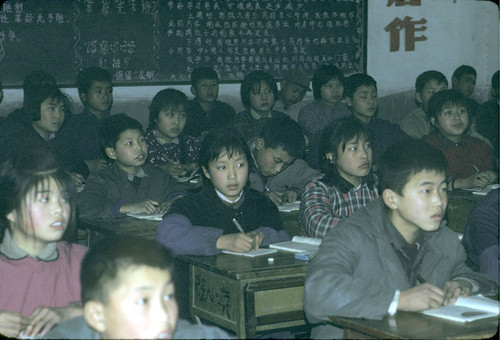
(222, 140)
(447, 98)
(87, 76)
(356, 80)
(337, 133)
(37, 79)
(107, 258)
(463, 70)
(405, 158)
(164, 100)
(323, 75)
(286, 133)
(114, 126)
(253, 78)
(426, 77)
(36, 96)
(203, 73)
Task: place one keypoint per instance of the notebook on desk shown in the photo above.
(154, 217)
(484, 191)
(252, 253)
(467, 309)
(298, 244)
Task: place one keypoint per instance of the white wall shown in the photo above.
(458, 32)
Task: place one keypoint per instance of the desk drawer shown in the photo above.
(274, 304)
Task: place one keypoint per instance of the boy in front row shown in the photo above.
(128, 292)
(128, 185)
(370, 265)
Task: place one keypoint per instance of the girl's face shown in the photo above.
(364, 102)
(452, 122)
(45, 216)
(261, 98)
(354, 161)
(52, 112)
(332, 91)
(171, 122)
(228, 175)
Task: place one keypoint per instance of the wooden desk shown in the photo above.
(460, 205)
(98, 227)
(412, 325)
(247, 295)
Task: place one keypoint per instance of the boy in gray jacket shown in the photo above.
(375, 262)
(278, 170)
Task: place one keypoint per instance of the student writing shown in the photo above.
(202, 223)
(278, 169)
(367, 266)
(470, 160)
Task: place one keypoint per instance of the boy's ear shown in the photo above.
(331, 157)
(93, 312)
(83, 97)
(260, 144)
(110, 152)
(348, 101)
(205, 171)
(193, 90)
(390, 199)
(418, 97)
(434, 122)
(11, 217)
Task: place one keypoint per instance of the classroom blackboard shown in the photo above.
(162, 41)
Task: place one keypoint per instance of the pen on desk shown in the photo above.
(476, 169)
(421, 279)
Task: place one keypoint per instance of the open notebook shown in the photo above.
(467, 309)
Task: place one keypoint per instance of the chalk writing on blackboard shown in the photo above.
(154, 41)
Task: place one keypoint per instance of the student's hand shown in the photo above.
(237, 242)
(420, 297)
(493, 176)
(77, 178)
(165, 206)
(44, 319)
(175, 170)
(275, 196)
(11, 323)
(290, 195)
(453, 289)
(144, 207)
(257, 238)
(95, 165)
(476, 180)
